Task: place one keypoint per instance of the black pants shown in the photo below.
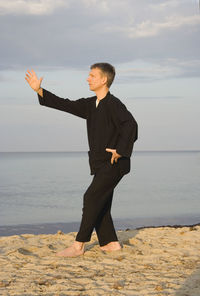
(97, 205)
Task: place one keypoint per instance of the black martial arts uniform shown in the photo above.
(109, 125)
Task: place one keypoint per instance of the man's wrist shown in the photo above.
(40, 92)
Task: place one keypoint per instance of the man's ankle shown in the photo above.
(78, 245)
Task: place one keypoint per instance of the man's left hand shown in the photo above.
(115, 155)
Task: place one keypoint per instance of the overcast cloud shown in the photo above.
(153, 44)
(69, 33)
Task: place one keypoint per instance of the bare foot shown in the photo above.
(77, 249)
(112, 246)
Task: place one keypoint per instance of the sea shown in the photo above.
(42, 192)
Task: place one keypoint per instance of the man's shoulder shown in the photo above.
(90, 99)
(115, 100)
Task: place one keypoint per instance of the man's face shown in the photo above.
(96, 79)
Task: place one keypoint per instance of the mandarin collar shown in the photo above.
(107, 95)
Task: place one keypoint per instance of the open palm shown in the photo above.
(32, 80)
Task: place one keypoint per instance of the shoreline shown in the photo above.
(120, 224)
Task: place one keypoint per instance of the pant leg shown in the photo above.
(96, 198)
(104, 226)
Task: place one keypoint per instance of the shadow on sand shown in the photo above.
(191, 286)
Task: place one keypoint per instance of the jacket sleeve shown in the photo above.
(127, 129)
(76, 107)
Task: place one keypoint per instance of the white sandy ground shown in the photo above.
(154, 261)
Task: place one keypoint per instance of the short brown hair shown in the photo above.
(107, 69)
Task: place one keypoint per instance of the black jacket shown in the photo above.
(110, 125)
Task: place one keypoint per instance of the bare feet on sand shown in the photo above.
(77, 249)
(112, 246)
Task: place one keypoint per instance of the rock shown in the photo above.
(192, 228)
(24, 251)
(119, 285)
(159, 288)
(4, 283)
(51, 247)
(60, 232)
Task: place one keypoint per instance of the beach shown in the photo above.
(153, 261)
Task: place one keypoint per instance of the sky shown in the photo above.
(153, 44)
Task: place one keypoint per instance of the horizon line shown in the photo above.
(86, 151)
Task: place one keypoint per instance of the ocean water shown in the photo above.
(48, 187)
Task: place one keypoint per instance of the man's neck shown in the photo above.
(102, 93)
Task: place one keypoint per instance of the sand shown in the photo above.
(153, 261)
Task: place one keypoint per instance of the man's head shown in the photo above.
(101, 74)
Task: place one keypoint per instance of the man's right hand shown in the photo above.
(33, 81)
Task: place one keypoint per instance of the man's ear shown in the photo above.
(104, 79)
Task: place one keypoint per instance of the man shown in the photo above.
(112, 131)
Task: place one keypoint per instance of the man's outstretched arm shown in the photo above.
(34, 82)
(46, 98)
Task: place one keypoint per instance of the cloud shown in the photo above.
(47, 7)
(98, 4)
(165, 5)
(36, 7)
(63, 34)
(147, 41)
(2, 78)
(146, 72)
(149, 28)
